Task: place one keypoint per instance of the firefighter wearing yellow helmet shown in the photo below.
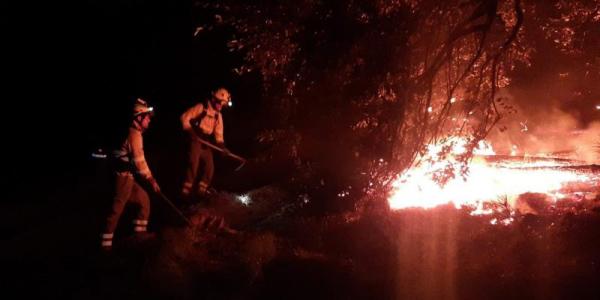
(132, 175)
(203, 121)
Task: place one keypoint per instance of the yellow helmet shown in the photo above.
(222, 95)
(141, 107)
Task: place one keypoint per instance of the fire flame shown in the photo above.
(486, 181)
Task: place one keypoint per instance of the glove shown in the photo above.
(154, 185)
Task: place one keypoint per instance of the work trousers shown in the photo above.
(127, 189)
(200, 169)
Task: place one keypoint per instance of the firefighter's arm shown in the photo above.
(219, 135)
(219, 131)
(139, 159)
(190, 114)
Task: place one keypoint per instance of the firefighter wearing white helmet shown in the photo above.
(203, 121)
(132, 174)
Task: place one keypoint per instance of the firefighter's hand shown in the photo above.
(155, 186)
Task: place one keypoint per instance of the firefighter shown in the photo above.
(133, 176)
(203, 122)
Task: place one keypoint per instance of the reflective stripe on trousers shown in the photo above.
(127, 189)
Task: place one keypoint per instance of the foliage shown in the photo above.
(357, 89)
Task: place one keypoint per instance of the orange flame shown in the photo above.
(484, 182)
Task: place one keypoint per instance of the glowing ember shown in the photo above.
(485, 182)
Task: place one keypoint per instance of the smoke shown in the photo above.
(544, 129)
(587, 143)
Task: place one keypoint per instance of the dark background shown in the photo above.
(75, 68)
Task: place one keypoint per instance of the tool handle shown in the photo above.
(236, 157)
(164, 198)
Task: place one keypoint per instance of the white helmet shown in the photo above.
(141, 107)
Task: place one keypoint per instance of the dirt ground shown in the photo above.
(50, 250)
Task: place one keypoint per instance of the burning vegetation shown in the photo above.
(491, 179)
(375, 83)
(417, 165)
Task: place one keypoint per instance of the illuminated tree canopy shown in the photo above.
(365, 85)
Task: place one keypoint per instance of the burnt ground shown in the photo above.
(50, 250)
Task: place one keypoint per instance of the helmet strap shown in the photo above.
(138, 120)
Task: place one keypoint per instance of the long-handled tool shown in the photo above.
(220, 221)
(164, 198)
(236, 157)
